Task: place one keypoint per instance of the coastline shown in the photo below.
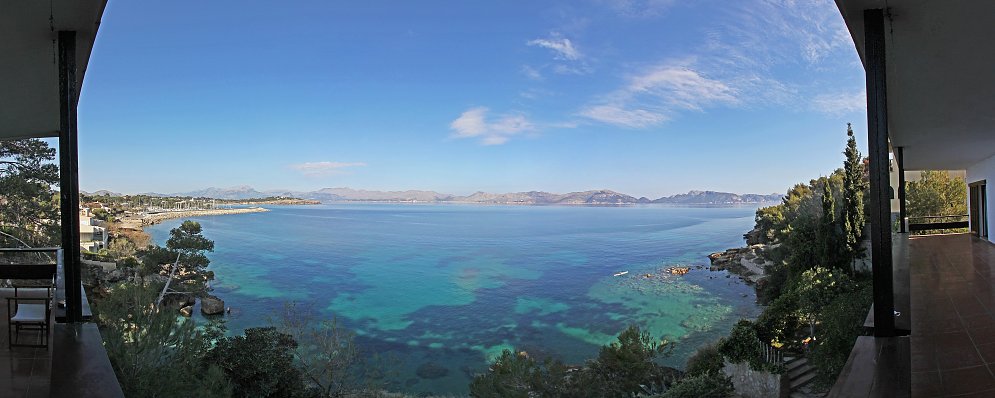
(137, 223)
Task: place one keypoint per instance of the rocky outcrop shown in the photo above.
(747, 262)
(211, 305)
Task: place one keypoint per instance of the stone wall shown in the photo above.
(750, 383)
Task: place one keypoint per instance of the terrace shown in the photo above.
(928, 108)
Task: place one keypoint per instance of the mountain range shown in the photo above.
(602, 196)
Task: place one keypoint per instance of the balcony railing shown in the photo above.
(933, 223)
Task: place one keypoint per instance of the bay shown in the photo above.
(453, 285)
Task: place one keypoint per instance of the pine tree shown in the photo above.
(853, 197)
(829, 232)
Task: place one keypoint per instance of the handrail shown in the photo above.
(934, 217)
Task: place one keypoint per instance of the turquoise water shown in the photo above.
(453, 285)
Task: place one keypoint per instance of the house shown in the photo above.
(930, 96)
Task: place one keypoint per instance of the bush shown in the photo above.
(779, 320)
(518, 375)
(706, 360)
(843, 322)
(706, 385)
(260, 363)
(153, 354)
(743, 346)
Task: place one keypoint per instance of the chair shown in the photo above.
(30, 309)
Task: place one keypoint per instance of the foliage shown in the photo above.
(187, 242)
(152, 353)
(259, 363)
(770, 288)
(704, 385)
(741, 345)
(520, 376)
(622, 369)
(843, 320)
(768, 222)
(853, 198)
(624, 366)
(780, 320)
(816, 288)
(706, 360)
(327, 355)
(832, 243)
(27, 177)
(936, 194)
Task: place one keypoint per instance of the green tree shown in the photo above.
(27, 178)
(154, 355)
(831, 246)
(189, 243)
(520, 376)
(259, 363)
(818, 287)
(936, 194)
(853, 198)
(704, 385)
(624, 367)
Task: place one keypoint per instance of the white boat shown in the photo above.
(621, 273)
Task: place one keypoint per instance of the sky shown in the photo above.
(644, 97)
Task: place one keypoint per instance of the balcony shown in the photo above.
(75, 363)
(949, 351)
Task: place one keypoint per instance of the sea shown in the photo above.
(441, 289)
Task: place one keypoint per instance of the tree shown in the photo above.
(153, 354)
(259, 363)
(623, 368)
(189, 243)
(330, 362)
(818, 287)
(936, 194)
(830, 244)
(29, 204)
(518, 375)
(853, 198)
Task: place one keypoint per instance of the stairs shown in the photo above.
(799, 374)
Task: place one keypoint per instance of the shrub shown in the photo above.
(706, 360)
(626, 366)
(260, 363)
(843, 322)
(519, 375)
(743, 346)
(779, 320)
(705, 385)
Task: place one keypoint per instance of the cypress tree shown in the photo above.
(853, 197)
(830, 241)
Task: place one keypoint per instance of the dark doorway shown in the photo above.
(978, 205)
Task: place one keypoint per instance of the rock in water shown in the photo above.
(212, 305)
(430, 370)
(186, 311)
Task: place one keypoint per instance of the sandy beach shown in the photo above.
(155, 218)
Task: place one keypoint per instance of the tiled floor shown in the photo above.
(24, 372)
(953, 316)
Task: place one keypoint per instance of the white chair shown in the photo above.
(29, 310)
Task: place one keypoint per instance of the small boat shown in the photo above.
(621, 273)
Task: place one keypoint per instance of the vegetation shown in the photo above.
(936, 194)
(27, 178)
(152, 353)
(259, 363)
(705, 385)
(706, 360)
(622, 369)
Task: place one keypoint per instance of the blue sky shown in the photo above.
(649, 98)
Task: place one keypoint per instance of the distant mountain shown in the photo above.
(237, 193)
(601, 196)
(102, 192)
(712, 197)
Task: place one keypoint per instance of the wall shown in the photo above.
(985, 170)
(750, 383)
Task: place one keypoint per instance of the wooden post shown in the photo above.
(69, 175)
(877, 143)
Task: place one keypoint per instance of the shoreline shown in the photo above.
(137, 223)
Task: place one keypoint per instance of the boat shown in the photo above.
(621, 273)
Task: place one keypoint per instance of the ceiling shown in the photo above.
(29, 86)
(940, 64)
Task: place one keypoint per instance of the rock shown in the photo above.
(431, 370)
(212, 305)
(187, 311)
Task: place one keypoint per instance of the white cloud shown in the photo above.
(474, 123)
(840, 103)
(531, 73)
(561, 47)
(639, 8)
(682, 87)
(321, 169)
(614, 114)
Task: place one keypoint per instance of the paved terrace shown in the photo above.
(953, 315)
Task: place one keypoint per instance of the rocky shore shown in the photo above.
(747, 262)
